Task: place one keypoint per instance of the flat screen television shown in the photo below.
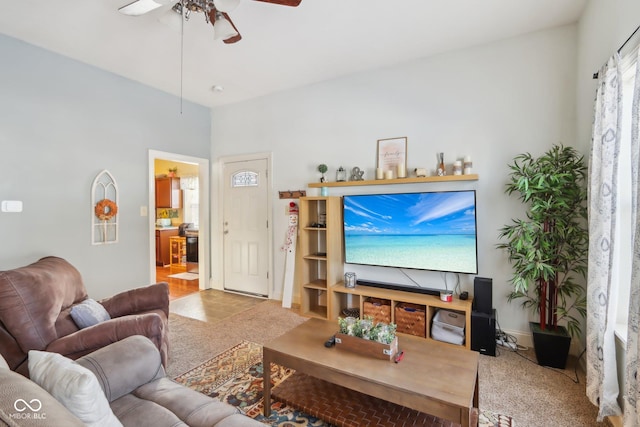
(427, 231)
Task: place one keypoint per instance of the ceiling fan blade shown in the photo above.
(292, 3)
(235, 38)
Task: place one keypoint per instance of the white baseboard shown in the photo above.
(525, 339)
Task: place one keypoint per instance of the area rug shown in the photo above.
(235, 377)
(184, 276)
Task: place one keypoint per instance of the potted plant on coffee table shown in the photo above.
(548, 249)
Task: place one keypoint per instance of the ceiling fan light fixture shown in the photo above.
(222, 29)
(226, 6)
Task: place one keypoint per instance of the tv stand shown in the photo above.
(341, 297)
(416, 290)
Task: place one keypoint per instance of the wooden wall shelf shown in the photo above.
(414, 180)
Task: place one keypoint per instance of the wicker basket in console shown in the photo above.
(411, 319)
(379, 309)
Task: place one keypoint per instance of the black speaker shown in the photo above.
(483, 295)
(483, 332)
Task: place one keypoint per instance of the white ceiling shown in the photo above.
(282, 47)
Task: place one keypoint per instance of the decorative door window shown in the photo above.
(244, 179)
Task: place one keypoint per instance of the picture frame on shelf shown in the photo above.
(392, 152)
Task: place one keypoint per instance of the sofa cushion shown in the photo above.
(3, 363)
(134, 412)
(24, 403)
(88, 313)
(193, 408)
(72, 385)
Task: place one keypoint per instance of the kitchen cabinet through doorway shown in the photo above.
(162, 245)
(168, 193)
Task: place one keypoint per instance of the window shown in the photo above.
(244, 179)
(624, 239)
(191, 199)
(191, 210)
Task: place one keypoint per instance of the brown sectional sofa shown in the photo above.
(122, 341)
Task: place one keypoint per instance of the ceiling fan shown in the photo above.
(215, 12)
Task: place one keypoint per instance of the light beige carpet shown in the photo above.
(192, 342)
(535, 395)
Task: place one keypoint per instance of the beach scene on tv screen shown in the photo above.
(429, 231)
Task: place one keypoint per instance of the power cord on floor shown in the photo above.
(510, 342)
(575, 378)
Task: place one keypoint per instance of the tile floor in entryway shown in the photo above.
(186, 299)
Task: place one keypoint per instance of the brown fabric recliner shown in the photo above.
(35, 306)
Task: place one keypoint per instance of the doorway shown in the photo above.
(247, 256)
(193, 207)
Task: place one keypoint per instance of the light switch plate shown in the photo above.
(11, 206)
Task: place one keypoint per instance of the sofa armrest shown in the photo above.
(84, 341)
(139, 300)
(124, 366)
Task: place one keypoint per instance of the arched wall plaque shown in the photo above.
(104, 209)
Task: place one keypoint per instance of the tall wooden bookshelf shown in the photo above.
(319, 259)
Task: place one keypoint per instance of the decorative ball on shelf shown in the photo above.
(322, 168)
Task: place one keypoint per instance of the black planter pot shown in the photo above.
(551, 346)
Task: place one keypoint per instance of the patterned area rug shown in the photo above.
(235, 377)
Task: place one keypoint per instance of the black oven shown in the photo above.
(192, 251)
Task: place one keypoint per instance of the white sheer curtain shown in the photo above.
(606, 242)
(632, 384)
(602, 381)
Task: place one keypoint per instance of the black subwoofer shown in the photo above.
(483, 332)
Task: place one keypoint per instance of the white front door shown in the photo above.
(245, 227)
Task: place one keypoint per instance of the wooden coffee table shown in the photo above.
(433, 378)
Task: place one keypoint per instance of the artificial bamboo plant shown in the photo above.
(548, 249)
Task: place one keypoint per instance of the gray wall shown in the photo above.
(491, 102)
(61, 123)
